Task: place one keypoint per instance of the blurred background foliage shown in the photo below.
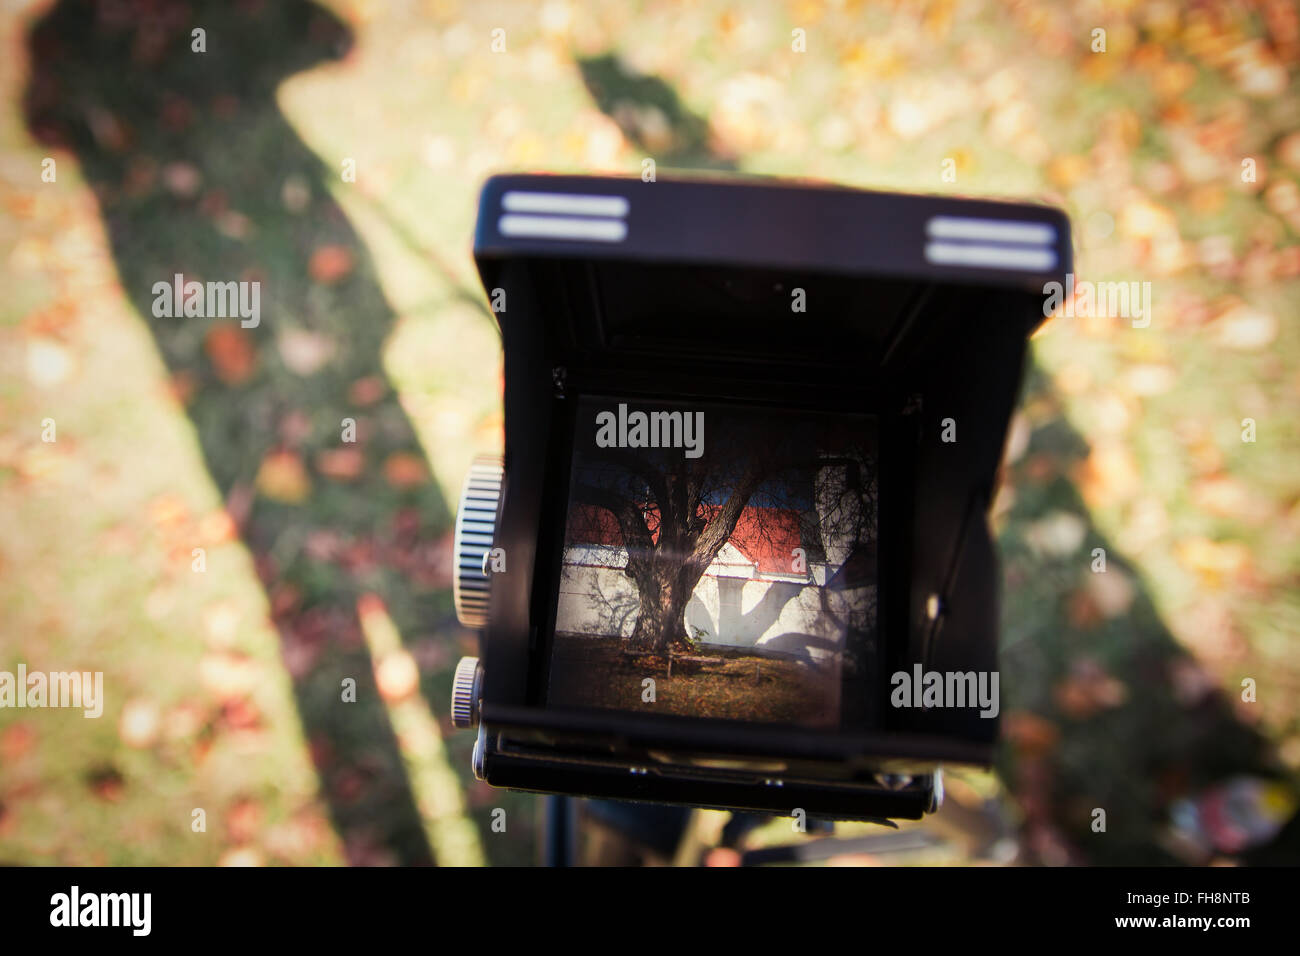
(1175, 151)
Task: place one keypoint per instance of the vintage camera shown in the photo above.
(736, 554)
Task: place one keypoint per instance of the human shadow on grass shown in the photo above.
(651, 115)
(1102, 707)
(198, 174)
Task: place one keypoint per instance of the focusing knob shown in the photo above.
(475, 525)
(465, 693)
(936, 791)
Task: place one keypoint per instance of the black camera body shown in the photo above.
(752, 434)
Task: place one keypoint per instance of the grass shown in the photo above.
(1121, 690)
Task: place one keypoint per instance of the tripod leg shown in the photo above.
(560, 831)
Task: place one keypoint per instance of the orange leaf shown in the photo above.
(231, 351)
(341, 464)
(1109, 475)
(329, 264)
(404, 470)
(397, 676)
(282, 477)
(140, 723)
(367, 391)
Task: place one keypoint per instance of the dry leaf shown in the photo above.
(1216, 563)
(1111, 591)
(329, 264)
(1029, 733)
(282, 477)
(405, 470)
(304, 352)
(221, 623)
(1109, 475)
(1245, 328)
(341, 464)
(367, 391)
(1288, 151)
(397, 676)
(217, 527)
(226, 675)
(1226, 497)
(139, 723)
(230, 349)
(241, 856)
(49, 363)
(243, 820)
(16, 740)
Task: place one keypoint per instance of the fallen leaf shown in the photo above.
(367, 391)
(1057, 535)
(397, 676)
(341, 464)
(1226, 497)
(241, 715)
(226, 675)
(1150, 379)
(294, 428)
(304, 352)
(169, 513)
(221, 623)
(1191, 682)
(243, 820)
(1142, 219)
(1257, 72)
(1109, 474)
(405, 470)
(1111, 591)
(1088, 689)
(1216, 563)
(1030, 734)
(329, 264)
(16, 741)
(1244, 328)
(181, 387)
(241, 856)
(182, 722)
(1288, 151)
(182, 179)
(217, 527)
(48, 363)
(230, 349)
(139, 723)
(295, 193)
(282, 477)
(1064, 171)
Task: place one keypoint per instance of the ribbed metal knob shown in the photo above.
(465, 693)
(936, 792)
(475, 525)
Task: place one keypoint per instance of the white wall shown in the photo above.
(738, 611)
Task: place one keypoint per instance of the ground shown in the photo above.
(726, 684)
(1170, 446)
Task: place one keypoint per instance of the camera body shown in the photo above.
(736, 553)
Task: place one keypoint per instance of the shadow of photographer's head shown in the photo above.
(97, 66)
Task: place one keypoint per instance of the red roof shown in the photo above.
(766, 537)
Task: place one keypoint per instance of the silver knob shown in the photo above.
(478, 759)
(475, 525)
(465, 690)
(936, 792)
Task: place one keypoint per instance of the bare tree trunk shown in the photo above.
(663, 594)
(687, 544)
